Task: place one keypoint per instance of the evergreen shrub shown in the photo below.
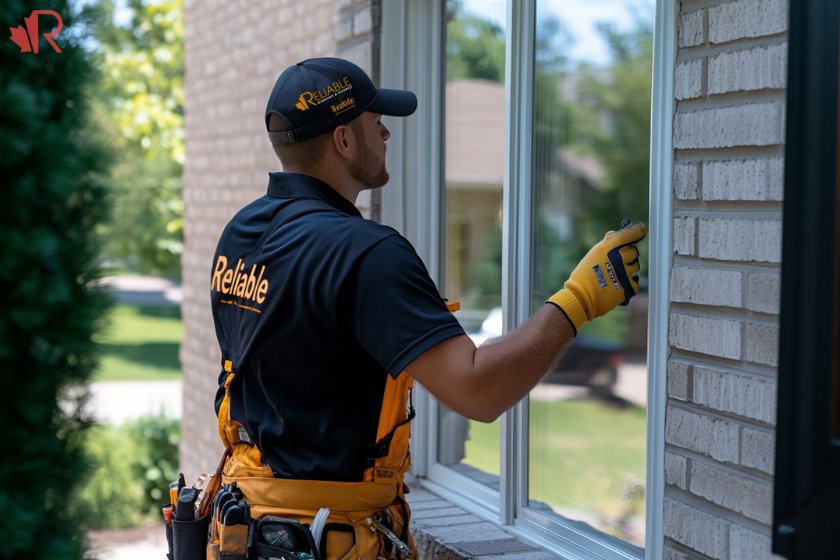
(51, 162)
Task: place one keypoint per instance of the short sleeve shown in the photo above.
(393, 307)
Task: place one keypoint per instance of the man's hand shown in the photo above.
(606, 277)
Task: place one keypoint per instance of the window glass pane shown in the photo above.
(474, 174)
(590, 170)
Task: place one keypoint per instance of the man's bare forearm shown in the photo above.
(481, 383)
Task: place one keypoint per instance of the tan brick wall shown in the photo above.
(234, 53)
(729, 85)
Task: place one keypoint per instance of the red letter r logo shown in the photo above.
(19, 34)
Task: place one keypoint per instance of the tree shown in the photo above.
(142, 106)
(617, 133)
(52, 168)
(475, 47)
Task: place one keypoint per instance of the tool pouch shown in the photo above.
(171, 554)
(227, 542)
(346, 535)
(259, 549)
(189, 538)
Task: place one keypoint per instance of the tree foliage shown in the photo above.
(475, 47)
(618, 124)
(142, 106)
(52, 166)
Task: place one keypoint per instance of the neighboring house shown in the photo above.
(719, 105)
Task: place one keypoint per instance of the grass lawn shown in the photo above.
(583, 453)
(141, 344)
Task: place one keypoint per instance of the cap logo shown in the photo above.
(344, 106)
(302, 101)
(315, 98)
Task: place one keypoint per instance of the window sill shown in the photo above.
(445, 531)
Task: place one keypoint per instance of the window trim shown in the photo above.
(660, 259)
(412, 204)
(516, 238)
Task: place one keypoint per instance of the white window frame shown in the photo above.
(412, 58)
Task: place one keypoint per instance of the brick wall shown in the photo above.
(729, 87)
(234, 53)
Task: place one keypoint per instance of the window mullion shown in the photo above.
(516, 242)
(661, 254)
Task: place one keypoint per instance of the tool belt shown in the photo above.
(245, 508)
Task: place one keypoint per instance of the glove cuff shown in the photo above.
(569, 304)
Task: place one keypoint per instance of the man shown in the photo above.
(315, 310)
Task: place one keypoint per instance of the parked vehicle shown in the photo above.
(589, 361)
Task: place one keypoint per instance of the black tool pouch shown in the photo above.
(171, 554)
(190, 538)
(258, 549)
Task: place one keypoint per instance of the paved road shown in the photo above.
(144, 290)
(114, 402)
(630, 386)
(128, 544)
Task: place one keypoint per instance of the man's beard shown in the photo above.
(366, 169)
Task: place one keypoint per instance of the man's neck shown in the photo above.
(341, 183)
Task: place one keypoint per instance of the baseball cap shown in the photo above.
(318, 95)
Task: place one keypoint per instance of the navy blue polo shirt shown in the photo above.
(313, 323)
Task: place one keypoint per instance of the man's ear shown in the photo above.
(344, 141)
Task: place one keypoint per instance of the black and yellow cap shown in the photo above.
(320, 94)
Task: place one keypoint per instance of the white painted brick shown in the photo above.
(363, 21)
(750, 124)
(732, 492)
(685, 181)
(697, 432)
(685, 235)
(762, 344)
(678, 375)
(707, 335)
(671, 554)
(764, 292)
(747, 70)
(696, 529)
(758, 450)
(358, 53)
(706, 286)
(690, 31)
(675, 470)
(343, 30)
(741, 240)
(747, 18)
(745, 544)
(688, 79)
(754, 179)
(735, 394)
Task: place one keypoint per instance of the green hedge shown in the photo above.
(133, 465)
(52, 202)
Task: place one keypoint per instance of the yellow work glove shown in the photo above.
(606, 277)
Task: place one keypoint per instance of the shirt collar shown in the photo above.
(295, 185)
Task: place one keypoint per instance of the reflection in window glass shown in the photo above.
(474, 174)
(591, 159)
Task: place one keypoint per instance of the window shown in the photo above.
(535, 120)
(474, 157)
(590, 166)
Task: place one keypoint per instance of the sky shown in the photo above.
(580, 18)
